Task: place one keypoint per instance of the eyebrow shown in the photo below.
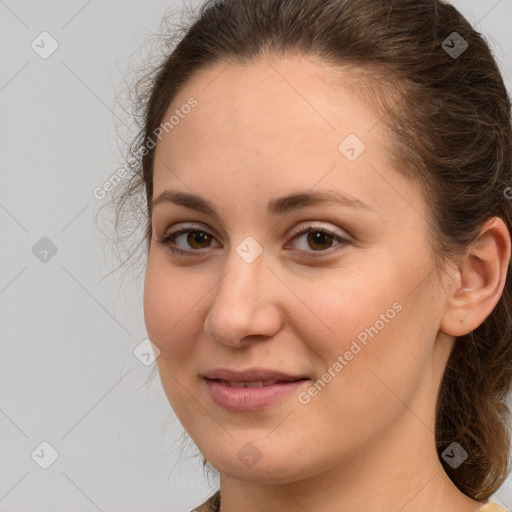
(276, 206)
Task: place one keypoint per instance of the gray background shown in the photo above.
(68, 375)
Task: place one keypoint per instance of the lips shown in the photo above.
(250, 390)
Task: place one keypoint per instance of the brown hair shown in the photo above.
(450, 119)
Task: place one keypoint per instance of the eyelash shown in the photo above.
(168, 240)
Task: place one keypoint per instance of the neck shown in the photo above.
(401, 471)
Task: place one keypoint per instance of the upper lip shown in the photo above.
(249, 375)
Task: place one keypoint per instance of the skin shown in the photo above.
(366, 440)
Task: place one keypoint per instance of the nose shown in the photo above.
(245, 305)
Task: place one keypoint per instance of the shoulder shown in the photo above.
(212, 504)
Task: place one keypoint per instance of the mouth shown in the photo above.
(255, 383)
(251, 375)
(250, 390)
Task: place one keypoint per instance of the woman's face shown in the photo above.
(352, 308)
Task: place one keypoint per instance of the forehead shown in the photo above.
(274, 126)
(290, 100)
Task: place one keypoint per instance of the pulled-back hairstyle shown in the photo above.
(449, 121)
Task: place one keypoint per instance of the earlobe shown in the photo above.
(481, 277)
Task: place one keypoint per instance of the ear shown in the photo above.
(479, 280)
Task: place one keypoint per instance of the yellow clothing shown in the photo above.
(492, 507)
(212, 504)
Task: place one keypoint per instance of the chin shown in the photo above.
(270, 464)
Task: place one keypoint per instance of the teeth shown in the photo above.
(249, 384)
(254, 384)
(235, 384)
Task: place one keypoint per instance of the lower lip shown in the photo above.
(250, 399)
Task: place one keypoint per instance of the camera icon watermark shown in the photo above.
(146, 352)
(44, 455)
(351, 147)
(249, 455)
(454, 45)
(454, 455)
(44, 250)
(249, 249)
(44, 45)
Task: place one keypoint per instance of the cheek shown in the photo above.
(170, 308)
(344, 310)
(363, 323)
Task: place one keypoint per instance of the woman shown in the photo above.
(328, 234)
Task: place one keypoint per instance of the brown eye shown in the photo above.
(315, 241)
(187, 241)
(312, 241)
(319, 240)
(198, 239)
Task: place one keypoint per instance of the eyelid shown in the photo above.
(189, 226)
(316, 225)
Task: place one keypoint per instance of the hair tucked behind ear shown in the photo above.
(449, 119)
